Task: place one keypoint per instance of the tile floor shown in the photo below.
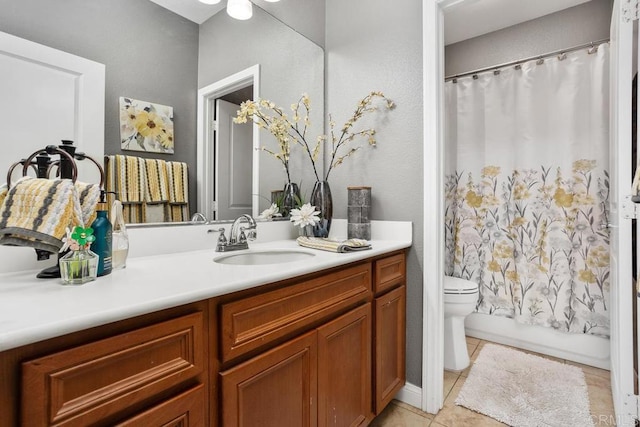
(399, 414)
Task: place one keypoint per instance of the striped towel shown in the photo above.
(333, 245)
(126, 176)
(88, 196)
(157, 189)
(178, 174)
(3, 192)
(37, 211)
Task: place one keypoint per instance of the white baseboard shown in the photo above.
(411, 395)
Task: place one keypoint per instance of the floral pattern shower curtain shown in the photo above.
(527, 190)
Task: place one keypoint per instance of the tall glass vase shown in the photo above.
(291, 198)
(321, 199)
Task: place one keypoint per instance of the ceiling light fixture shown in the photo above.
(240, 9)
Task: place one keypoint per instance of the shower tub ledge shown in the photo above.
(581, 348)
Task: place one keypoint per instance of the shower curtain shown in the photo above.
(527, 190)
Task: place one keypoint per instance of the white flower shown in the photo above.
(270, 212)
(306, 215)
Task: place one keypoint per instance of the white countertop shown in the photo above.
(33, 310)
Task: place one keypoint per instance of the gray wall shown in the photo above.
(377, 45)
(290, 65)
(305, 16)
(571, 27)
(150, 54)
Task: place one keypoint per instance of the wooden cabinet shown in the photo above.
(96, 383)
(344, 370)
(389, 348)
(389, 352)
(275, 389)
(324, 349)
(184, 410)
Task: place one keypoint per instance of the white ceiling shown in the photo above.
(479, 17)
(193, 10)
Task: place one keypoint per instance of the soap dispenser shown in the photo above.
(120, 244)
(102, 230)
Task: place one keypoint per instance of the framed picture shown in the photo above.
(145, 126)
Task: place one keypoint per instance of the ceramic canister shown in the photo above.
(359, 213)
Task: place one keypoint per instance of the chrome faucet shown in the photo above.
(237, 236)
(199, 218)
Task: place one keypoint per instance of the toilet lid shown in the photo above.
(456, 285)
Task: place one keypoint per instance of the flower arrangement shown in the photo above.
(80, 238)
(305, 217)
(288, 131)
(271, 212)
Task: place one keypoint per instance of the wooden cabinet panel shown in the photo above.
(275, 389)
(389, 273)
(184, 410)
(390, 341)
(253, 322)
(344, 370)
(94, 382)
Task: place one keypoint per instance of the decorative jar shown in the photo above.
(78, 267)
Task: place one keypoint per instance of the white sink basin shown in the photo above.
(264, 257)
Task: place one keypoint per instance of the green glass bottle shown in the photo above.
(103, 231)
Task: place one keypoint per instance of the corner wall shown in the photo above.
(376, 45)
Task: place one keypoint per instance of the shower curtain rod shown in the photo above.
(531, 58)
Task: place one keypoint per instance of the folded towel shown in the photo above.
(36, 213)
(333, 245)
(126, 176)
(178, 174)
(157, 189)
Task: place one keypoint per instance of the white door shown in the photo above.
(622, 293)
(234, 162)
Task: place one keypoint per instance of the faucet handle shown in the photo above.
(250, 234)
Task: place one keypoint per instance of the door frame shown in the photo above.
(433, 208)
(205, 137)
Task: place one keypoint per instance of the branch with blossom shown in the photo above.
(268, 116)
(285, 130)
(347, 134)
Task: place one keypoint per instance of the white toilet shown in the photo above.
(460, 298)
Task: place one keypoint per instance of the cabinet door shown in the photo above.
(276, 389)
(344, 370)
(390, 352)
(184, 410)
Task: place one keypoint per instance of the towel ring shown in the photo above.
(81, 156)
(27, 162)
(13, 166)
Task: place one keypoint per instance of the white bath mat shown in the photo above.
(521, 390)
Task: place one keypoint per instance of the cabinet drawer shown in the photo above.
(389, 273)
(255, 322)
(184, 410)
(93, 383)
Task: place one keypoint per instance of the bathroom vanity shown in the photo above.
(179, 339)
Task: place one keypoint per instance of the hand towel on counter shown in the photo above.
(178, 174)
(333, 245)
(36, 213)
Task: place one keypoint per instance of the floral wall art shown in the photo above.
(145, 126)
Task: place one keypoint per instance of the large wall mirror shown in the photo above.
(155, 55)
